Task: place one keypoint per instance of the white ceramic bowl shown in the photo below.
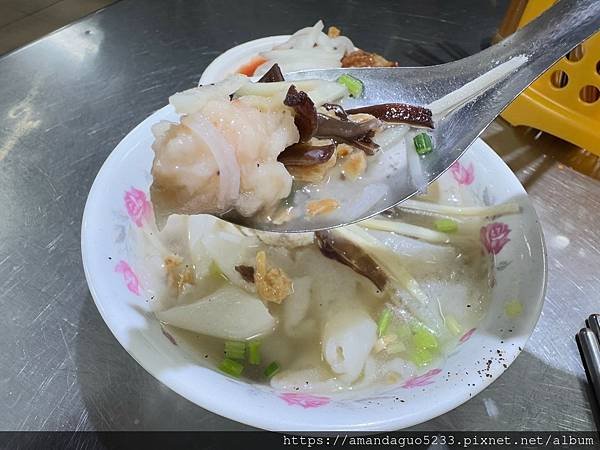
(118, 200)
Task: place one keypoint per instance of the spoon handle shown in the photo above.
(544, 41)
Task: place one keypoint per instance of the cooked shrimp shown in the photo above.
(221, 157)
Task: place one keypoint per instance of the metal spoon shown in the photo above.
(527, 54)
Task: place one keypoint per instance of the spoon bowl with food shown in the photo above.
(319, 149)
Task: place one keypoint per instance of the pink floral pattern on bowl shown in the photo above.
(131, 279)
(464, 176)
(465, 337)
(421, 380)
(137, 205)
(494, 237)
(304, 400)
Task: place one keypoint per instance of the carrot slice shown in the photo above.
(249, 68)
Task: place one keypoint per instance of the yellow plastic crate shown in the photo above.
(565, 101)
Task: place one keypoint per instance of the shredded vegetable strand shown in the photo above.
(390, 263)
(387, 259)
(319, 91)
(485, 211)
(406, 230)
(415, 168)
(384, 322)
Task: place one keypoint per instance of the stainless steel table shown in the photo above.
(65, 102)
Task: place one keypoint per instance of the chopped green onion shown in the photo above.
(231, 367)
(235, 350)
(424, 339)
(446, 225)
(423, 143)
(272, 369)
(453, 325)
(354, 85)
(384, 322)
(421, 357)
(254, 352)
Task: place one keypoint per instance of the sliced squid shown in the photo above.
(228, 313)
(348, 337)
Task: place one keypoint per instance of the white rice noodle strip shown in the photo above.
(391, 135)
(224, 154)
(193, 100)
(308, 48)
(415, 168)
(327, 93)
(406, 230)
(306, 38)
(269, 89)
(473, 211)
(315, 31)
(319, 91)
(474, 88)
(303, 38)
(265, 104)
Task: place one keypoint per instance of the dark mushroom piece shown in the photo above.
(304, 154)
(247, 273)
(330, 127)
(364, 143)
(398, 113)
(272, 75)
(336, 247)
(357, 134)
(305, 113)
